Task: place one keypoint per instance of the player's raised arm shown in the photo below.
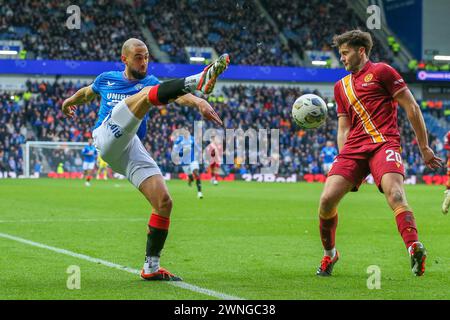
(82, 96)
(203, 106)
(406, 101)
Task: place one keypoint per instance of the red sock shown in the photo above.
(216, 176)
(328, 232)
(158, 228)
(159, 222)
(153, 96)
(407, 227)
(88, 178)
(166, 91)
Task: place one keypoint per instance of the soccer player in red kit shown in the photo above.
(215, 153)
(446, 203)
(369, 142)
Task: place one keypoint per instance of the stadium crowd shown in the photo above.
(41, 26)
(237, 27)
(35, 114)
(310, 25)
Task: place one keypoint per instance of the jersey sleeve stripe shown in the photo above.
(398, 91)
(361, 111)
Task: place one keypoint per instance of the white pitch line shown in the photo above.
(182, 285)
(144, 220)
(72, 220)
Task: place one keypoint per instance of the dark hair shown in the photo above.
(354, 39)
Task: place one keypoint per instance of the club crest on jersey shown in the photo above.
(139, 86)
(368, 77)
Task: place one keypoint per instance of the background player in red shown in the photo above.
(369, 142)
(215, 153)
(446, 203)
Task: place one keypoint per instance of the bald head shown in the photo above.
(130, 44)
(135, 56)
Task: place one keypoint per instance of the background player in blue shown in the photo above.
(89, 156)
(190, 164)
(126, 99)
(328, 153)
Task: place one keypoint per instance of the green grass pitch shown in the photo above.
(248, 240)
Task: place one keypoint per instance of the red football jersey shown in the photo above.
(214, 152)
(366, 97)
(447, 141)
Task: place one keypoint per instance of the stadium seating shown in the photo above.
(35, 115)
(41, 28)
(310, 25)
(236, 27)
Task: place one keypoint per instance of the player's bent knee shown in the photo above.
(396, 196)
(327, 205)
(164, 204)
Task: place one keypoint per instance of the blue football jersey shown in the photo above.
(89, 153)
(328, 154)
(113, 87)
(181, 144)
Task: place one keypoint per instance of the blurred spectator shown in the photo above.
(235, 27)
(37, 169)
(240, 106)
(105, 25)
(311, 24)
(3, 168)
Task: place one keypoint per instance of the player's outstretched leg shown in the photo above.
(156, 192)
(161, 94)
(392, 185)
(334, 190)
(206, 80)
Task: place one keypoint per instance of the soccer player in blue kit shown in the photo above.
(126, 98)
(328, 153)
(89, 154)
(189, 162)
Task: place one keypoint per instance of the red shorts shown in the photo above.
(355, 163)
(214, 165)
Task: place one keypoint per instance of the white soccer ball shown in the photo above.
(309, 111)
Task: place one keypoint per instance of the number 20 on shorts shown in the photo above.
(392, 155)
